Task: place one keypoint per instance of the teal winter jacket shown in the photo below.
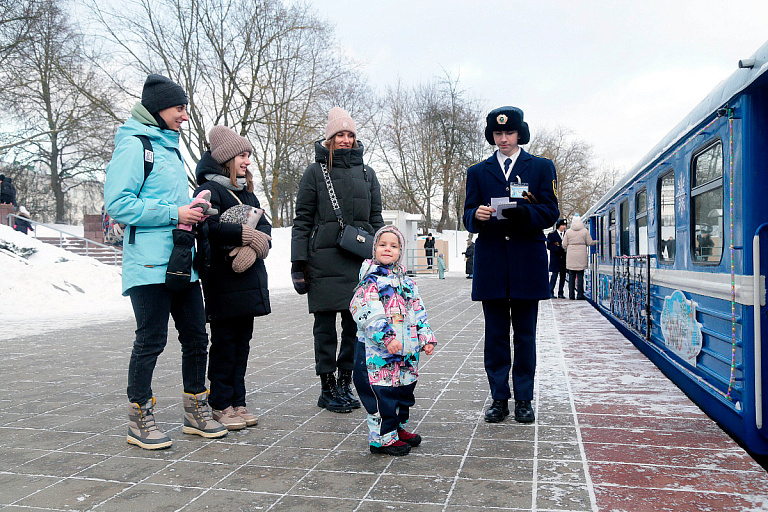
(154, 210)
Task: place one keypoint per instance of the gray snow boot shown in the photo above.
(142, 430)
(198, 417)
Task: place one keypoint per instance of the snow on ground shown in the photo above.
(53, 289)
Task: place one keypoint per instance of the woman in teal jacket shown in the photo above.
(152, 206)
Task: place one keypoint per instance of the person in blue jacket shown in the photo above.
(510, 256)
(152, 207)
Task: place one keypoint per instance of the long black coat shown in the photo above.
(556, 252)
(511, 260)
(228, 293)
(332, 272)
(8, 192)
(470, 254)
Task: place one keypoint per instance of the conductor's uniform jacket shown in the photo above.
(511, 260)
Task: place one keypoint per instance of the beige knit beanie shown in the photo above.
(338, 121)
(226, 144)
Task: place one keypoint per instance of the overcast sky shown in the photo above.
(619, 74)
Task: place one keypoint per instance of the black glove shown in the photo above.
(179, 269)
(519, 216)
(298, 276)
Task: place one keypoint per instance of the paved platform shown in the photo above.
(612, 433)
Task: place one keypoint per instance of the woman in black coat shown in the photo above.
(235, 289)
(469, 257)
(329, 274)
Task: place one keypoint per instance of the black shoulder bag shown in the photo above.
(352, 239)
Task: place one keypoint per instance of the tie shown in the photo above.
(507, 162)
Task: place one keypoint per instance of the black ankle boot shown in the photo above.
(345, 388)
(329, 396)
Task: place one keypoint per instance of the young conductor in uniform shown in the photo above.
(510, 256)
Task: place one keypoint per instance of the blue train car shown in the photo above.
(683, 250)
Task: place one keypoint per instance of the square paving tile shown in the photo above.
(262, 479)
(16, 487)
(161, 498)
(492, 494)
(412, 489)
(334, 484)
(191, 474)
(73, 494)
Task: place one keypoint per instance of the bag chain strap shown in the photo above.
(332, 194)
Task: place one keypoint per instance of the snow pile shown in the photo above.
(43, 287)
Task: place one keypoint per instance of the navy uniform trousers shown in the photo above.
(521, 314)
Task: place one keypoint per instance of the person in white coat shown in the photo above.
(576, 243)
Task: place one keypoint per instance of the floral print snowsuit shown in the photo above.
(387, 307)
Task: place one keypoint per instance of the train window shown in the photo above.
(641, 223)
(612, 234)
(624, 233)
(707, 207)
(665, 236)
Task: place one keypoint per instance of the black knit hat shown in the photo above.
(160, 93)
(561, 222)
(506, 119)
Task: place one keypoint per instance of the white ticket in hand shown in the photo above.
(500, 204)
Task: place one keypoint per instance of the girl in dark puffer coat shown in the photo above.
(235, 292)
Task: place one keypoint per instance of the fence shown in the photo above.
(631, 291)
(90, 248)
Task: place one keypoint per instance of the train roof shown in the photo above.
(719, 97)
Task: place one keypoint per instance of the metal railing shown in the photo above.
(631, 292)
(63, 234)
(412, 256)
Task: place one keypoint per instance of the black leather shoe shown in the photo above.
(498, 410)
(524, 412)
(561, 296)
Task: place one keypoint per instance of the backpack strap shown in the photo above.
(149, 162)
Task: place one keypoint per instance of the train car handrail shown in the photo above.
(758, 331)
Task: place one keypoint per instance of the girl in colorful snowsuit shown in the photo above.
(392, 330)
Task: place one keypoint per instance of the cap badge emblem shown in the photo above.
(501, 119)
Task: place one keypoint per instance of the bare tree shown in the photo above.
(58, 128)
(579, 181)
(16, 19)
(428, 137)
(265, 69)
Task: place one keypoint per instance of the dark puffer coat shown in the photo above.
(8, 192)
(227, 293)
(333, 273)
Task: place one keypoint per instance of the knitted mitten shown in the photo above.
(249, 234)
(244, 258)
(260, 244)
